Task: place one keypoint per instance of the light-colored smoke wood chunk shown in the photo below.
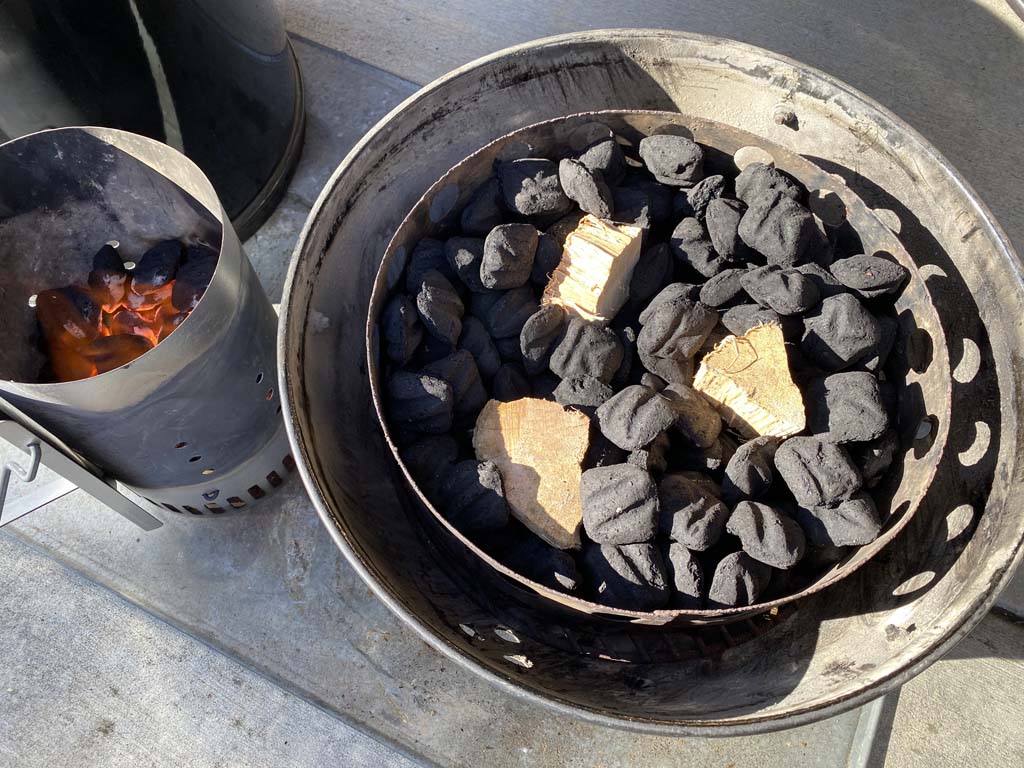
(747, 378)
(592, 279)
(539, 447)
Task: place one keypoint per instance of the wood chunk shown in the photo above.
(748, 379)
(539, 448)
(592, 279)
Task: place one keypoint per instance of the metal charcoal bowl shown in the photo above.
(811, 658)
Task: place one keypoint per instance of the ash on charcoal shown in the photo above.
(758, 178)
(767, 534)
(628, 576)
(846, 407)
(785, 291)
(690, 511)
(507, 315)
(669, 293)
(627, 337)
(605, 157)
(193, 277)
(676, 328)
(508, 254)
(427, 255)
(652, 272)
(702, 193)
(696, 419)
(672, 370)
(823, 280)
(465, 256)
(586, 188)
(459, 369)
(587, 350)
(869, 276)
(739, 580)
(530, 187)
(540, 335)
(724, 289)
(850, 523)
(542, 563)
(402, 330)
(440, 307)
(686, 576)
(839, 332)
(474, 499)
(429, 458)
(742, 318)
(653, 457)
(778, 228)
(421, 402)
(875, 458)
(673, 160)
(722, 220)
(816, 472)
(620, 504)
(475, 340)
(692, 246)
(582, 391)
(634, 416)
(749, 473)
(483, 212)
(510, 383)
(546, 259)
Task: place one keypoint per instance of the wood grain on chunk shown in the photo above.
(539, 448)
(747, 378)
(592, 279)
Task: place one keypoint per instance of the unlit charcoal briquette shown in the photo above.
(475, 340)
(473, 497)
(816, 472)
(823, 280)
(634, 416)
(690, 512)
(544, 385)
(674, 160)
(676, 328)
(439, 307)
(758, 178)
(672, 370)
(839, 332)
(670, 292)
(710, 459)
(875, 458)
(652, 271)
(696, 419)
(508, 253)
(632, 206)
(658, 195)
(766, 534)
(627, 337)
(587, 350)
(724, 289)
(530, 187)
(427, 255)
(546, 260)
(739, 580)
(605, 156)
(429, 458)
(749, 473)
(786, 291)
(778, 228)
(846, 407)
(401, 327)
(540, 335)
(510, 383)
(602, 452)
(702, 193)
(537, 561)
(692, 246)
(459, 369)
(620, 504)
(850, 523)
(483, 212)
(582, 391)
(421, 402)
(586, 188)
(722, 220)
(740, 319)
(509, 350)
(888, 329)
(653, 457)
(626, 576)
(507, 315)
(654, 382)
(686, 576)
(869, 276)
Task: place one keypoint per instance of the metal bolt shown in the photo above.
(783, 114)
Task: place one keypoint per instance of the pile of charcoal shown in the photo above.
(515, 403)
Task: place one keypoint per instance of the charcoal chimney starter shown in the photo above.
(193, 425)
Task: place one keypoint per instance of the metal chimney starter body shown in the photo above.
(193, 425)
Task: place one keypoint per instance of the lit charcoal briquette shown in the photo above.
(778, 228)
(542, 563)
(690, 511)
(653, 457)
(739, 580)
(626, 576)
(193, 276)
(839, 332)
(767, 534)
(530, 187)
(676, 329)
(587, 350)
(473, 497)
(724, 289)
(696, 419)
(722, 220)
(429, 458)
(421, 402)
(652, 272)
(691, 245)
(401, 328)
(785, 291)
(750, 471)
(673, 160)
(620, 504)
(583, 391)
(846, 407)
(634, 416)
(586, 188)
(605, 157)
(506, 316)
(483, 212)
(465, 256)
(686, 577)
(758, 178)
(508, 254)
(475, 340)
(459, 369)
(440, 307)
(700, 195)
(510, 383)
(869, 276)
(427, 255)
(816, 472)
(540, 335)
(740, 319)
(850, 523)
